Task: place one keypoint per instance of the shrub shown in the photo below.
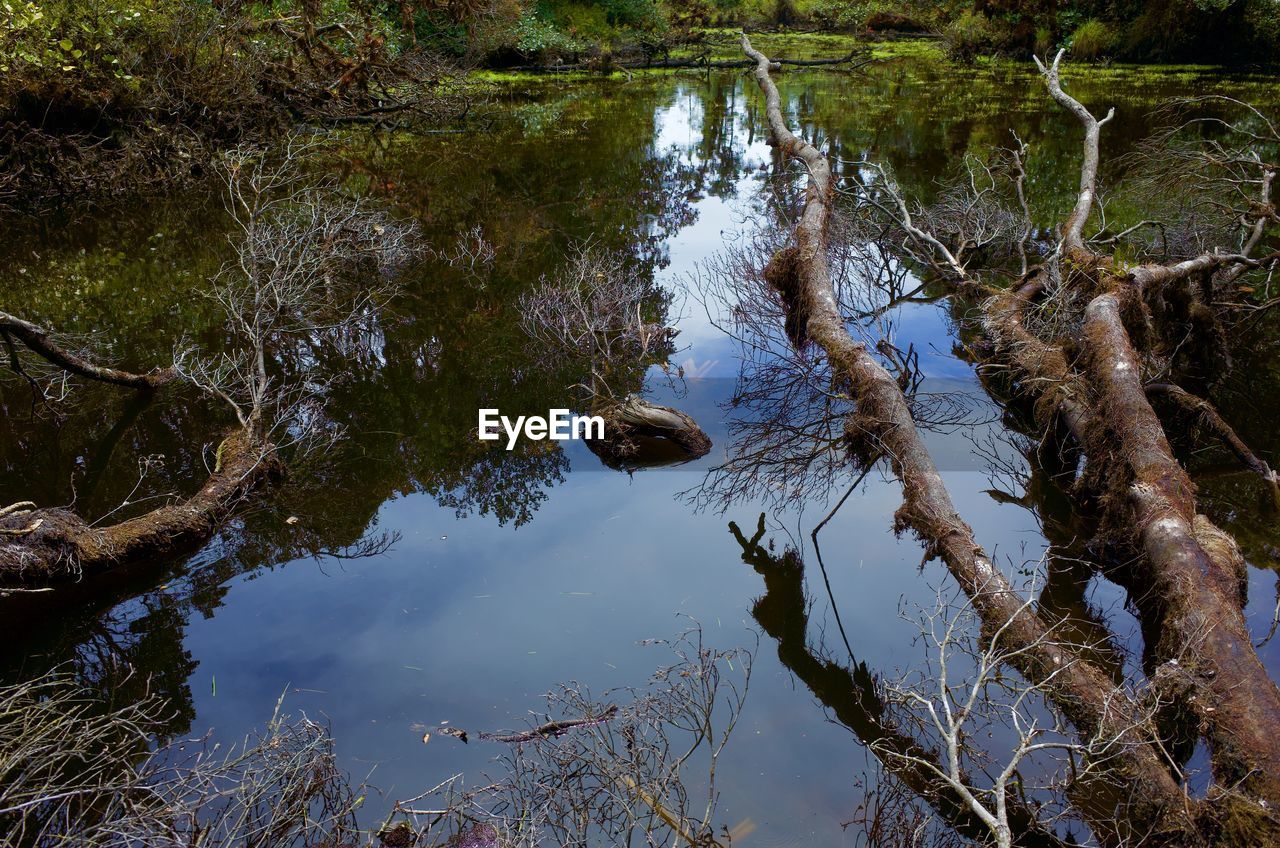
(1092, 40)
(1044, 41)
(841, 14)
(536, 37)
(970, 35)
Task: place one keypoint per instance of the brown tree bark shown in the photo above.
(1188, 580)
(1192, 570)
(43, 547)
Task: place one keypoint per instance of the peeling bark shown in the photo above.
(1191, 570)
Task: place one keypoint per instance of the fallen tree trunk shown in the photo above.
(1191, 572)
(1149, 797)
(42, 547)
(1188, 583)
(1188, 580)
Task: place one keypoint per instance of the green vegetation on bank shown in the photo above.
(515, 31)
(101, 97)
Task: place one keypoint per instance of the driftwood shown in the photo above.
(883, 424)
(702, 62)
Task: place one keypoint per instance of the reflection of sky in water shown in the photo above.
(470, 623)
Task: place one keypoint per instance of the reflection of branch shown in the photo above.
(852, 693)
(102, 455)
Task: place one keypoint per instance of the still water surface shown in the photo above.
(513, 572)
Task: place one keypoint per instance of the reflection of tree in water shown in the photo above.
(852, 694)
(404, 392)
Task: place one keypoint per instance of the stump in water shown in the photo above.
(638, 434)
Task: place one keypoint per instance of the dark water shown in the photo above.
(513, 571)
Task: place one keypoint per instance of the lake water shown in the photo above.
(515, 571)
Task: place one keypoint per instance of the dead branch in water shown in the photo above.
(883, 424)
(552, 728)
(311, 264)
(1083, 334)
(41, 342)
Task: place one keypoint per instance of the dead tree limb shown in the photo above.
(552, 728)
(310, 265)
(883, 421)
(1208, 416)
(1073, 229)
(41, 342)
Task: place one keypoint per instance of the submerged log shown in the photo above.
(699, 62)
(1147, 798)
